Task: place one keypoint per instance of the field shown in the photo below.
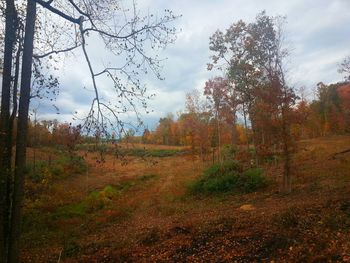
(139, 209)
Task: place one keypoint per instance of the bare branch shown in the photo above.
(48, 6)
(56, 52)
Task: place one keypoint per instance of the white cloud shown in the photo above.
(318, 31)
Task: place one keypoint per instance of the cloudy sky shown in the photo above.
(318, 33)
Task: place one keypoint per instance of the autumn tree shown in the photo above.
(164, 130)
(232, 55)
(252, 55)
(216, 91)
(196, 123)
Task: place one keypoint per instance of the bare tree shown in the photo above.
(131, 38)
(344, 68)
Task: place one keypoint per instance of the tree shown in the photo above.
(132, 41)
(232, 54)
(164, 130)
(252, 56)
(216, 91)
(5, 165)
(196, 123)
(344, 68)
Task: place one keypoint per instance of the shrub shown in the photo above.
(96, 200)
(228, 177)
(63, 167)
(253, 179)
(228, 152)
(72, 164)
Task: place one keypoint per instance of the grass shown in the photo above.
(227, 178)
(133, 151)
(313, 221)
(96, 200)
(62, 167)
(100, 199)
(151, 152)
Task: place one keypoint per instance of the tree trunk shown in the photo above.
(5, 162)
(287, 180)
(219, 137)
(234, 134)
(10, 141)
(245, 125)
(21, 142)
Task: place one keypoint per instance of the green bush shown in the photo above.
(253, 179)
(228, 152)
(228, 177)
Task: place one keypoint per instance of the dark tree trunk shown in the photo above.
(5, 163)
(10, 141)
(21, 140)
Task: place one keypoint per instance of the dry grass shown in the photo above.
(155, 220)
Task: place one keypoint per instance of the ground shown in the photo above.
(150, 217)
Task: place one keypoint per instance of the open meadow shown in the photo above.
(140, 209)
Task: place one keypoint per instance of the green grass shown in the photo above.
(95, 201)
(139, 152)
(228, 177)
(150, 153)
(62, 167)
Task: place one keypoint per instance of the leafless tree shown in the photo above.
(344, 68)
(129, 36)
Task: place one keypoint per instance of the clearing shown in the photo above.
(141, 211)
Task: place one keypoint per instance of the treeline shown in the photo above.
(53, 133)
(328, 114)
(201, 127)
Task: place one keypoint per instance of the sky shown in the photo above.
(317, 33)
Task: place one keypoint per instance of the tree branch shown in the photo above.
(48, 6)
(56, 52)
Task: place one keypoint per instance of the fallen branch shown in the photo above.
(338, 153)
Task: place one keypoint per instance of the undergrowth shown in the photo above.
(95, 201)
(61, 167)
(228, 177)
(138, 152)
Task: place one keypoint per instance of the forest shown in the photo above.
(242, 156)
